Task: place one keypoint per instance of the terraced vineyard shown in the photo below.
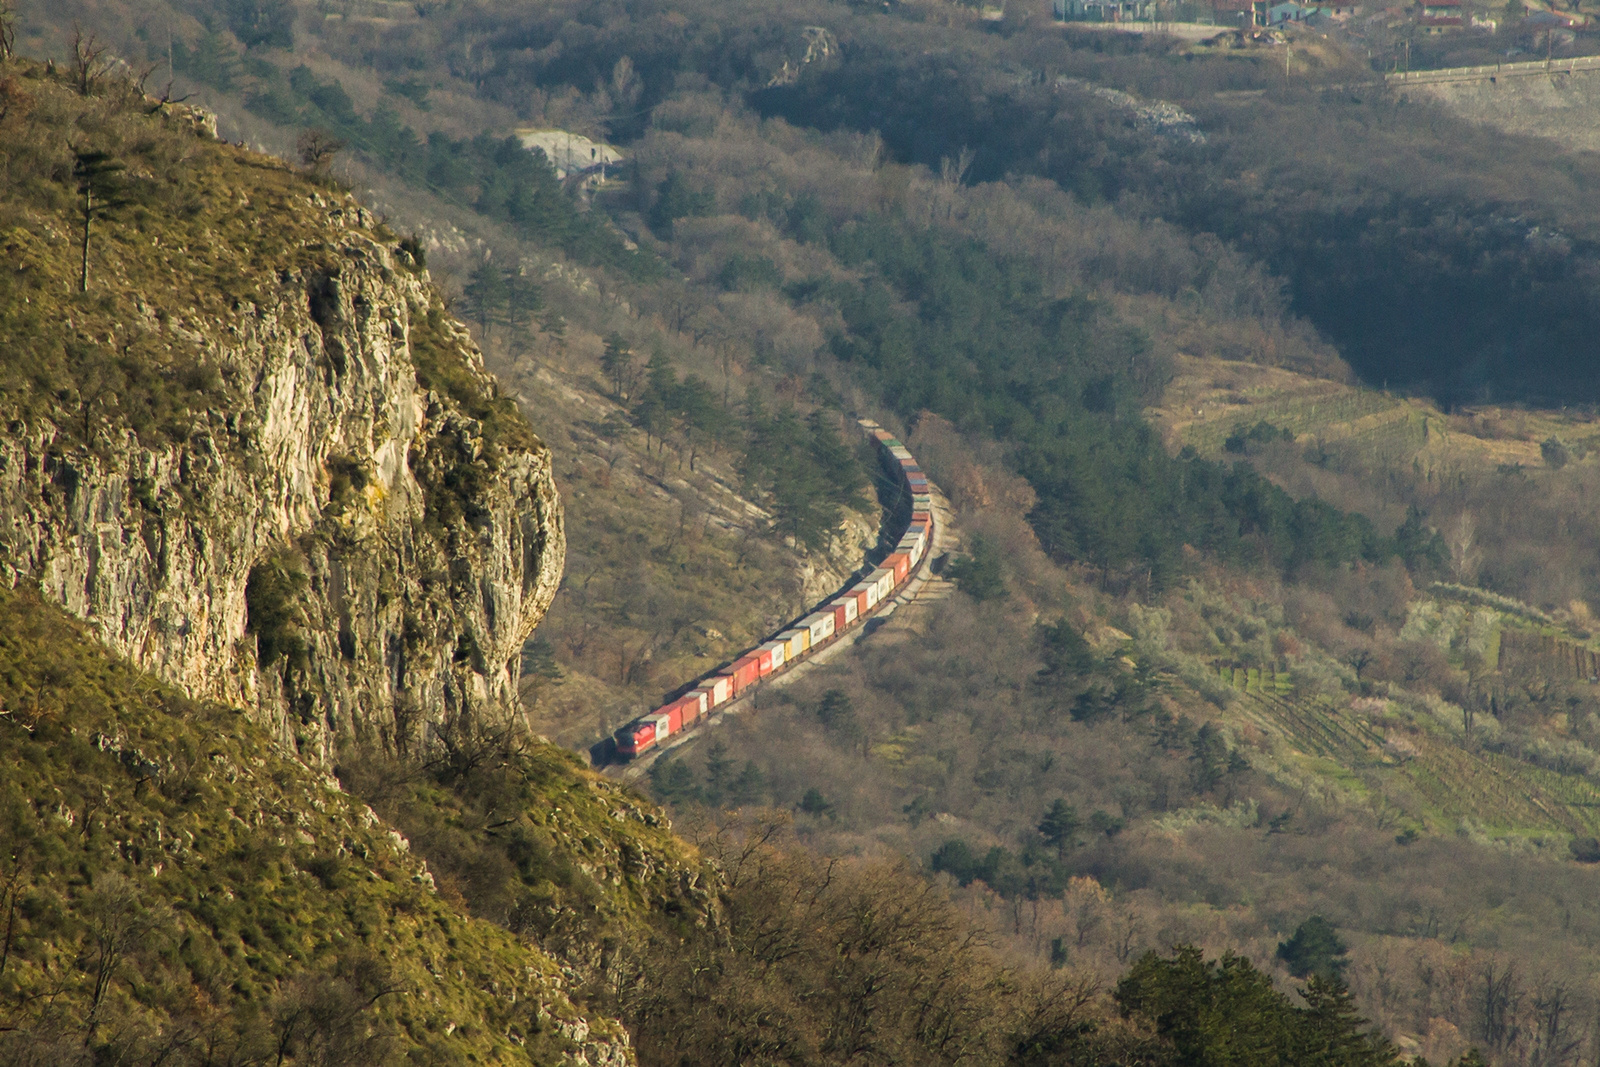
(1454, 782)
(1306, 414)
(1498, 791)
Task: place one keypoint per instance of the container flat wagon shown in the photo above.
(846, 610)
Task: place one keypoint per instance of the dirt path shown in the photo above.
(899, 619)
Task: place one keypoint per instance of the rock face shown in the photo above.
(335, 546)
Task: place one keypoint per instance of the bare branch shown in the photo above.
(89, 62)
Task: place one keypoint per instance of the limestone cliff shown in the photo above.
(343, 528)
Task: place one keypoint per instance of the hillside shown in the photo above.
(175, 886)
(1236, 651)
(303, 534)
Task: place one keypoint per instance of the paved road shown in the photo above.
(898, 619)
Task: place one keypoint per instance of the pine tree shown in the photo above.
(1315, 949)
(101, 185)
(487, 293)
(1059, 827)
(617, 363)
(1209, 757)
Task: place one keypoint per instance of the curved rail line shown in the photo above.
(845, 612)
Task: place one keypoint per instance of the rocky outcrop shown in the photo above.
(334, 545)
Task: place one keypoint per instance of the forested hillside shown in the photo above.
(1249, 654)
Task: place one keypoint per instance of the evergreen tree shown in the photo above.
(835, 708)
(103, 189)
(1059, 828)
(1067, 656)
(524, 298)
(1208, 758)
(700, 418)
(719, 772)
(1331, 1032)
(487, 295)
(675, 200)
(979, 574)
(1314, 950)
(653, 412)
(618, 364)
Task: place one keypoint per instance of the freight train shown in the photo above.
(830, 620)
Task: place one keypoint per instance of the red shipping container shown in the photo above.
(843, 615)
(924, 518)
(900, 563)
(763, 658)
(743, 673)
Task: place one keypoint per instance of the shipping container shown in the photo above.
(899, 563)
(744, 672)
(714, 691)
(673, 713)
(821, 626)
(798, 641)
(882, 581)
(845, 611)
(664, 728)
(866, 595)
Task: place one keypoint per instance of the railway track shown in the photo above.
(893, 614)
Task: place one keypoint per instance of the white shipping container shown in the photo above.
(820, 625)
(868, 588)
(851, 608)
(663, 725)
(777, 649)
(715, 691)
(883, 582)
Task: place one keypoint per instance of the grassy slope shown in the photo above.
(222, 876)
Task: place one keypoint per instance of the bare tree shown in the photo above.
(118, 921)
(8, 31)
(316, 148)
(89, 62)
